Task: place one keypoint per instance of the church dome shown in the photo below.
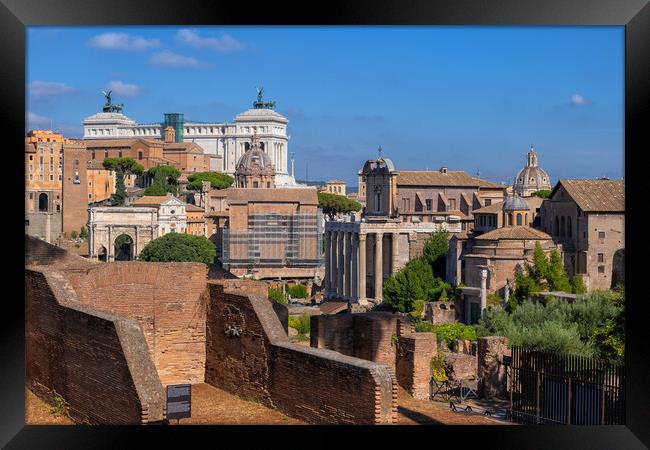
(532, 177)
(515, 203)
(255, 161)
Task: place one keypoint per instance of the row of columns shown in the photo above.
(345, 264)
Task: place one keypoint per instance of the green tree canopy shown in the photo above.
(179, 247)
(121, 166)
(435, 252)
(542, 193)
(217, 180)
(333, 204)
(593, 325)
(165, 179)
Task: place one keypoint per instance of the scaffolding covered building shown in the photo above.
(273, 233)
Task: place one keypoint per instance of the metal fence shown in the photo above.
(554, 388)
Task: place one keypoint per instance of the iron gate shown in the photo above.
(554, 388)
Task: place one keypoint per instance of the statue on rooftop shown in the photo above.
(259, 103)
(109, 106)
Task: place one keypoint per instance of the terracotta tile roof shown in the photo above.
(107, 143)
(596, 195)
(489, 184)
(155, 200)
(333, 307)
(494, 208)
(177, 147)
(305, 196)
(520, 232)
(435, 178)
(193, 208)
(534, 202)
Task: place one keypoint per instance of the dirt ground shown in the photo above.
(37, 412)
(213, 406)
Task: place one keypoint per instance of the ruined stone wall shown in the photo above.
(166, 299)
(490, 365)
(39, 252)
(413, 363)
(98, 363)
(249, 354)
(365, 335)
(442, 312)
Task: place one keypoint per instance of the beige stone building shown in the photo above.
(588, 218)
(255, 170)
(335, 187)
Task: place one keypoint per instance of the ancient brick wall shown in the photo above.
(413, 363)
(490, 365)
(98, 363)
(248, 353)
(166, 299)
(364, 335)
(39, 252)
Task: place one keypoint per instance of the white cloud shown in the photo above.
(120, 88)
(46, 88)
(123, 41)
(579, 100)
(167, 58)
(36, 121)
(224, 44)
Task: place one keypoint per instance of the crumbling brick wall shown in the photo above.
(39, 252)
(98, 363)
(367, 336)
(490, 365)
(167, 300)
(413, 363)
(249, 354)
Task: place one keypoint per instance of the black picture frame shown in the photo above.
(634, 15)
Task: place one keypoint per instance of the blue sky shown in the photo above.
(470, 98)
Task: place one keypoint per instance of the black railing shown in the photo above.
(554, 388)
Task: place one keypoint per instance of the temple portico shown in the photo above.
(360, 256)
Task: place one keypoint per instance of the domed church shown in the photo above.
(532, 177)
(255, 168)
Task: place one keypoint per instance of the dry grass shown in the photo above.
(38, 412)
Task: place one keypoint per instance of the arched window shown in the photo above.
(510, 219)
(557, 226)
(246, 146)
(262, 145)
(43, 203)
(526, 219)
(518, 219)
(562, 227)
(377, 201)
(568, 229)
(140, 155)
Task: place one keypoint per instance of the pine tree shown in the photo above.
(556, 277)
(540, 269)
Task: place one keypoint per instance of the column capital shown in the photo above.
(361, 237)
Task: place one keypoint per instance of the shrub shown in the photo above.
(298, 291)
(438, 370)
(578, 285)
(415, 281)
(301, 323)
(155, 190)
(74, 234)
(448, 331)
(494, 299)
(418, 309)
(58, 408)
(83, 233)
(435, 252)
(333, 204)
(179, 247)
(277, 295)
(593, 325)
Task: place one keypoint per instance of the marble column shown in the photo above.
(110, 249)
(379, 237)
(354, 273)
(483, 291)
(340, 265)
(347, 288)
(394, 239)
(328, 268)
(362, 270)
(333, 270)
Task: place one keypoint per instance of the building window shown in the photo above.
(31, 177)
(31, 168)
(106, 154)
(568, 224)
(31, 157)
(51, 177)
(601, 269)
(119, 154)
(601, 257)
(518, 219)
(488, 202)
(429, 204)
(562, 227)
(93, 154)
(58, 208)
(601, 235)
(140, 156)
(255, 184)
(90, 195)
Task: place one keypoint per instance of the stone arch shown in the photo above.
(43, 202)
(618, 268)
(102, 254)
(519, 219)
(124, 248)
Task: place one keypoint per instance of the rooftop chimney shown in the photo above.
(443, 169)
